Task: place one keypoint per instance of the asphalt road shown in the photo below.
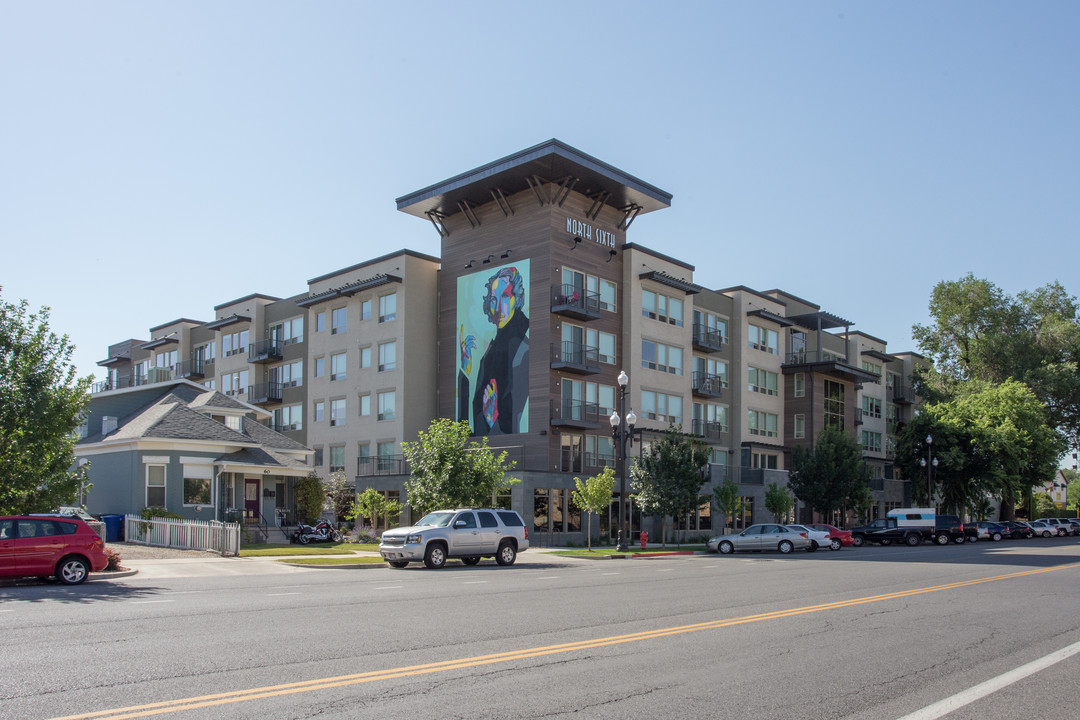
(868, 633)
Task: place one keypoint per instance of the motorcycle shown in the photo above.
(320, 532)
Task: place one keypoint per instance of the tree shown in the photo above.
(339, 494)
(979, 332)
(448, 468)
(593, 496)
(41, 406)
(1072, 492)
(310, 497)
(727, 501)
(778, 501)
(668, 476)
(832, 476)
(373, 505)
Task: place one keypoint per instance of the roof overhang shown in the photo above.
(227, 321)
(820, 320)
(154, 344)
(879, 355)
(771, 317)
(664, 279)
(348, 290)
(113, 360)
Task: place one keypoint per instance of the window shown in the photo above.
(204, 353)
(711, 325)
(768, 461)
(763, 381)
(317, 459)
(338, 322)
(387, 405)
(289, 417)
(388, 308)
(289, 375)
(197, 484)
(320, 367)
(761, 338)
(234, 383)
(762, 423)
(365, 357)
(713, 417)
(165, 359)
(319, 411)
(234, 343)
(834, 404)
(337, 458)
(602, 396)
(337, 412)
(570, 452)
(800, 426)
(365, 405)
(155, 486)
(387, 356)
(609, 293)
(337, 366)
(707, 368)
(234, 422)
(658, 356)
(599, 451)
(799, 384)
(605, 344)
(289, 331)
(320, 321)
(385, 451)
(871, 441)
(658, 406)
(365, 310)
(871, 407)
(871, 367)
(661, 307)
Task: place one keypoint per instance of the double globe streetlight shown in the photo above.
(622, 429)
(930, 466)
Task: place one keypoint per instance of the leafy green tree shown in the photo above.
(978, 332)
(727, 501)
(374, 506)
(960, 476)
(1072, 492)
(339, 494)
(778, 501)
(668, 476)
(832, 476)
(41, 406)
(450, 469)
(594, 496)
(310, 497)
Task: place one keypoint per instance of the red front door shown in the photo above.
(251, 499)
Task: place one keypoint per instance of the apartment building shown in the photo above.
(520, 328)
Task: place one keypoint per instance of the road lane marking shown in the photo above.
(610, 573)
(966, 697)
(147, 602)
(665, 570)
(476, 582)
(548, 577)
(389, 587)
(236, 696)
(282, 594)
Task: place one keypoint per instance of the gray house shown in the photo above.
(196, 452)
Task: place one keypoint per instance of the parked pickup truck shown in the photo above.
(886, 531)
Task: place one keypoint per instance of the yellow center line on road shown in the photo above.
(226, 698)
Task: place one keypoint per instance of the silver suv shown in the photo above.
(467, 534)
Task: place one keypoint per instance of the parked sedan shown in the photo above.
(818, 538)
(1017, 529)
(986, 530)
(1038, 527)
(834, 532)
(764, 536)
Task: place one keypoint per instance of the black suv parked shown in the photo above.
(948, 527)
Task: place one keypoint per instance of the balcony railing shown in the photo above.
(194, 368)
(575, 302)
(263, 393)
(575, 357)
(575, 413)
(902, 394)
(266, 350)
(708, 339)
(702, 383)
(709, 429)
(382, 465)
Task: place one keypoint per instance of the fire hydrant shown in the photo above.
(644, 539)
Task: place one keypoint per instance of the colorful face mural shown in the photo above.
(493, 339)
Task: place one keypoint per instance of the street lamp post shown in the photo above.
(930, 466)
(622, 429)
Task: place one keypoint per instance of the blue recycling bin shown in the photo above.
(114, 527)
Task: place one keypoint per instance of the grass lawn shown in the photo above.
(271, 549)
(597, 552)
(356, 560)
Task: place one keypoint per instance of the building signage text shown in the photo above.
(588, 232)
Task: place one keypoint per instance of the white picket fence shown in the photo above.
(183, 534)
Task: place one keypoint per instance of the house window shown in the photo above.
(337, 412)
(337, 366)
(365, 405)
(388, 308)
(387, 405)
(337, 321)
(661, 307)
(599, 451)
(337, 458)
(798, 381)
(365, 310)
(762, 423)
(155, 486)
(197, 484)
(713, 417)
(658, 356)
(662, 407)
(234, 422)
(760, 338)
(609, 293)
(763, 381)
(319, 411)
(365, 357)
(387, 356)
(800, 426)
(834, 404)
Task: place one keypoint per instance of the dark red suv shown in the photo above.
(42, 546)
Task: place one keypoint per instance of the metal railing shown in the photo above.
(575, 300)
(223, 537)
(707, 429)
(707, 337)
(381, 465)
(264, 393)
(571, 355)
(706, 384)
(574, 412)
(265, 349)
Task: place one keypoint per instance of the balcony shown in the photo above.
(575, 302)
(858, 416)
(575, 357)
(264, 393)
(265, 351)
(382, 465)
(708, 339)
(706, 385)
(575, 414)
(902, 394)
(193, 369)
(708, 429)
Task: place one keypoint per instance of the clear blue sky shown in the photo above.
(157, 159)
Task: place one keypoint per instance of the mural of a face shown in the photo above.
(503, 295)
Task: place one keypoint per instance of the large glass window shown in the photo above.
(658, 356)
(387, 405)
(388, 308)
(337, 321)
(288, 375)
(763, 381)
(762, 423)
(662, 407)
(760, 338)
(604, 342)
(711, 323)
(385, 451)
(337, 366)
(337, 458)
(871, 406)
(541, 505)
(337, 412)
(387, 356)
(661, 307)
(834, 404)
(289, 331)
(289, 417)
(871, 441)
